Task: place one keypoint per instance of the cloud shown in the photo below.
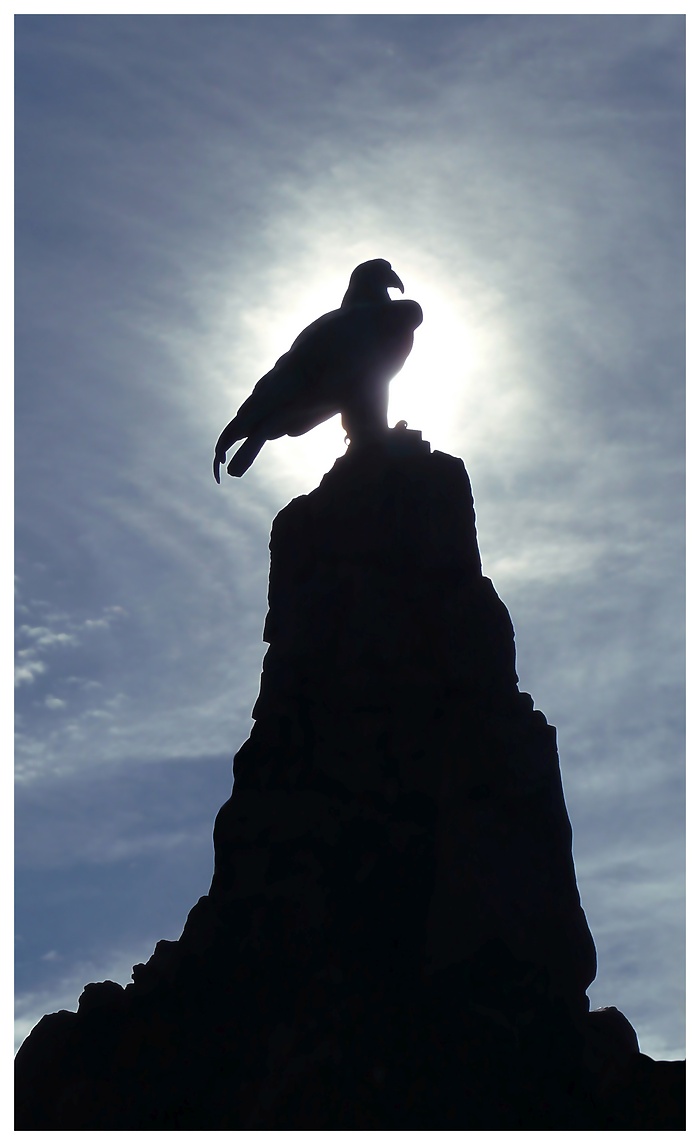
(44, 638)
(27, 672)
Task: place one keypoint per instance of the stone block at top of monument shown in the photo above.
(390, 500)
(404, 442)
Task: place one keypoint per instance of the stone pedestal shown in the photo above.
(389, 724)
(393, 937)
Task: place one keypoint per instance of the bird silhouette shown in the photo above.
(341, 363)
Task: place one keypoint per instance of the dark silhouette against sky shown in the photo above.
(341, 363)
(191, 193)
(393, 937)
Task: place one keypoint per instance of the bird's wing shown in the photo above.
(308, 384)
(314, 330)
(299, 377)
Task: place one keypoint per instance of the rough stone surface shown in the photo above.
(393, 937)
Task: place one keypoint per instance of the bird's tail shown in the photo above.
(245, 455)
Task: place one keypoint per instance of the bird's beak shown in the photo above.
(394, 280)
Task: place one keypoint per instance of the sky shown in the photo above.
(192, 191)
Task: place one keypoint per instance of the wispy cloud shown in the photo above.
(27, 671)
(54, 703)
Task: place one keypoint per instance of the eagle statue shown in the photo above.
(341, 363)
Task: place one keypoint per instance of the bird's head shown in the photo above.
(370, 282)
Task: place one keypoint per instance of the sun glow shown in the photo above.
(429, 391)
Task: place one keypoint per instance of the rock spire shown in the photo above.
(393, 937)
